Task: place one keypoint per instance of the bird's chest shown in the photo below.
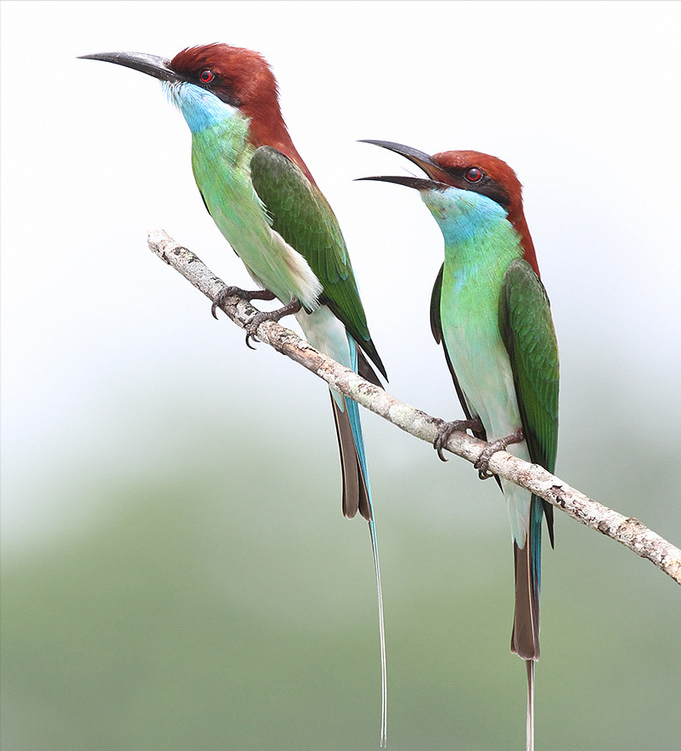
(469, 307)
(221, 158)
(220, 162)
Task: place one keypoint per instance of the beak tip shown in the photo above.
(419, 158)
(157, 67)
(417, 183)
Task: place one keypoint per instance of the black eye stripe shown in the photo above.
(483, 183)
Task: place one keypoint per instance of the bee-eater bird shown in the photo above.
(266, 203)
(491, 313)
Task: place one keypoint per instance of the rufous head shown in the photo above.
(239, 77)
(469, 170)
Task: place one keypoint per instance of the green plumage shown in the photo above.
(527, 332)
(281, 227)
(302, 216)
(490, 311)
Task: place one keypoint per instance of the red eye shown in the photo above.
(473, 175)
(206, 76)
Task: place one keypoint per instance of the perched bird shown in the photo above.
(266, 203)
(491, 313)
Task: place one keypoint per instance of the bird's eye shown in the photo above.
(474, 175)
(206, 76)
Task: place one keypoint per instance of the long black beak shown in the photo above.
(419, 158)
(152, 65)
(419, 183)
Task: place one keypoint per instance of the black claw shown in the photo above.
(273, 315)
(252, 328)
(445, 431)
(501, 444)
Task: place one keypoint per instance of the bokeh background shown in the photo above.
(176, 572)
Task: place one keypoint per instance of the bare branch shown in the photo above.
(626, 530)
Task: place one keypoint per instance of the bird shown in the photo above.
(490, 311)
(267, 205)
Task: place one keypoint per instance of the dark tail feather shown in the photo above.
(527, 560)
(355, 493)
(525, 637)
(366, 371)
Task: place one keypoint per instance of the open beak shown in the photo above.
(152, 65)
(419, 183)
(420, 159)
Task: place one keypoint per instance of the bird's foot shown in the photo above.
(258, 294)
(501, 444)
(447, 428)
(272, 315)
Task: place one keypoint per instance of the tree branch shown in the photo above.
(626, 530)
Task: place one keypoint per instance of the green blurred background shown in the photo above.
(176, 572)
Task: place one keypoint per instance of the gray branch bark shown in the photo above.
(626, 530)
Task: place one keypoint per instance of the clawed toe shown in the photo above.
(445, 431)
(501, 444)
(482, 463)
(252, 328)
(258, 294)
(261, 316)
(272, 315)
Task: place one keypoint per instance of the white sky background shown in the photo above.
(582, 99)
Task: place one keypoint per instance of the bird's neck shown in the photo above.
(203, 110)
(476, 229)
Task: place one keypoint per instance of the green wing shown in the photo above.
(527, 332)
(435, 298)
(302, 216)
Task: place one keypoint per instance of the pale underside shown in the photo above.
(479, 245)
(221, 156)
(269, 259)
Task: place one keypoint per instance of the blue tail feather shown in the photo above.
(536, 519)
(356, 426)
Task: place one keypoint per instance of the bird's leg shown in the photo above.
(447, 428)
(501, 444)
(258, 294)
(271, 315)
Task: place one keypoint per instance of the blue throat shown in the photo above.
(200, 108)
(463, 215)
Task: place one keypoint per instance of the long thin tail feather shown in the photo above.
(525, 637)
(357, 497)
(529, 731)
(328, 333)
(381, 631)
